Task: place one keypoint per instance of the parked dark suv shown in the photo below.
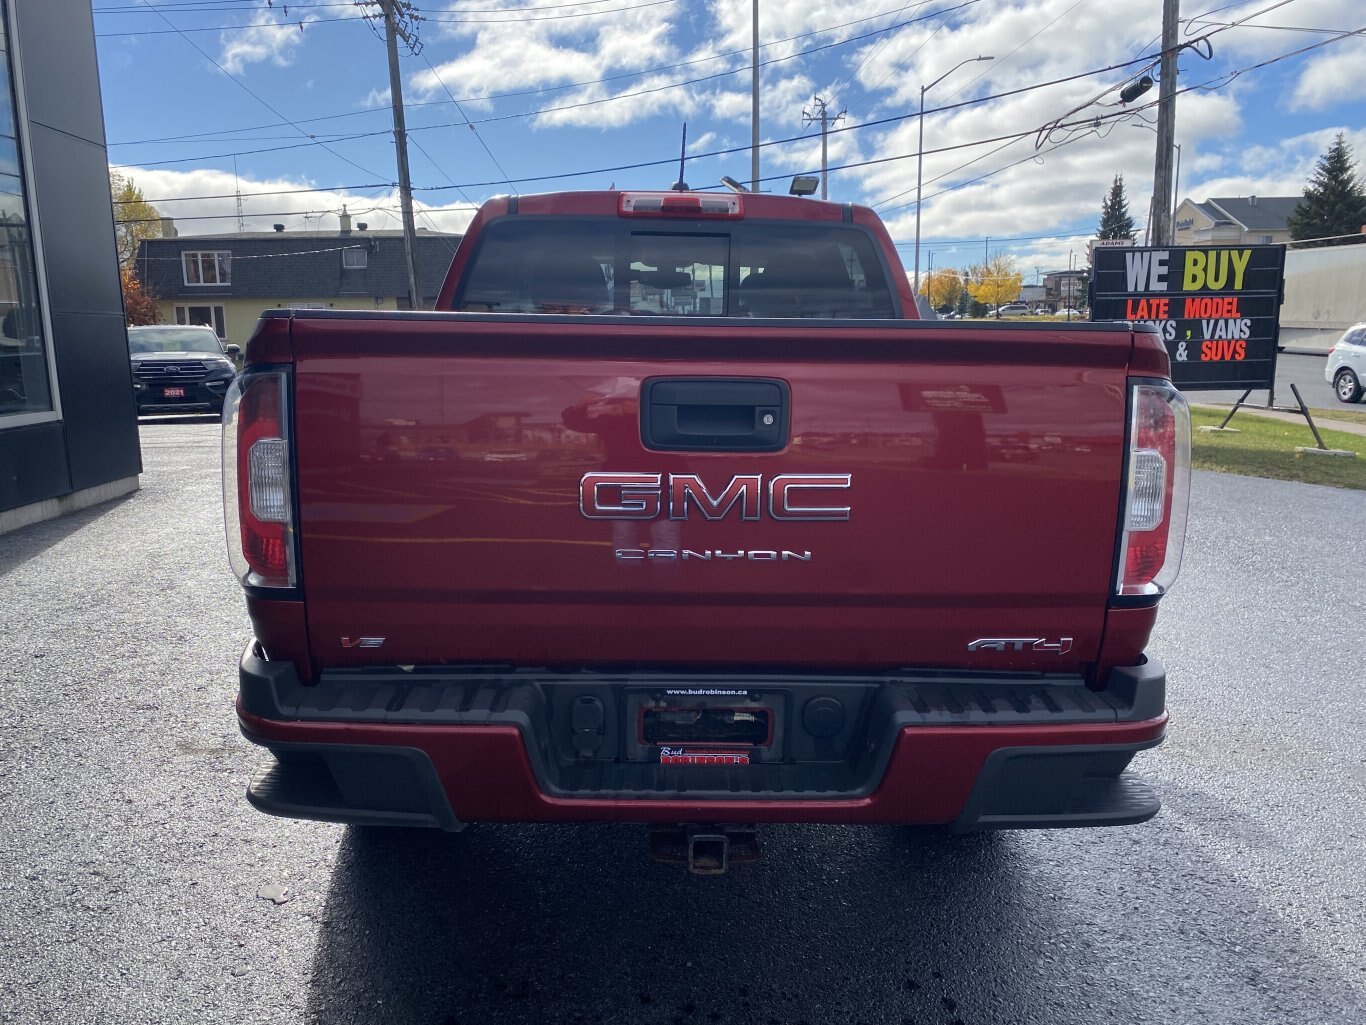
(178, 368)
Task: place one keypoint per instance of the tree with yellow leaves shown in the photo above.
(134, 218)
(943, 287)
(996, 281)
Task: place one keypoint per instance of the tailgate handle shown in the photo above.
(715, 414)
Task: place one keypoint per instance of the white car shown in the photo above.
(1070, 314)
(1346, 367)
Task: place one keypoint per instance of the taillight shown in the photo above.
(258, 499)
(680, 204)
(1156, 492)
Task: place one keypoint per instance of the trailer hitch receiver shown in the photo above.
(706, 850)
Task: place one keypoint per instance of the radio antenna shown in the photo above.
(681, 185)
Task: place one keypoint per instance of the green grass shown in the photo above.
(1266, 448)
(1346, 413)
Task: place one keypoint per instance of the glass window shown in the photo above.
(206, 316)
(25, 383)
(163, 338)
(760, 269)
(207, 268)
(355, 259)
(678, 275)
(542, 266)
(809, 271)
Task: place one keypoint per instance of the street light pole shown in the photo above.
(754, 105)
(920, 156)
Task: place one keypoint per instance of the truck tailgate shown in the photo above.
(441, 462)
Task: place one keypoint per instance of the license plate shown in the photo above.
(687, 726)
(173, 393)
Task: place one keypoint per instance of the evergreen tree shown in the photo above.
(1115, 221)
(1334, 202)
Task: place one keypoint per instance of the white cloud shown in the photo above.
(529, 54)
(375, 98)
(1328, 78)
(177, 194)
(1283, 168)
(262, 41)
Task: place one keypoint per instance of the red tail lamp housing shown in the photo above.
(258, 486)
(1156, 490)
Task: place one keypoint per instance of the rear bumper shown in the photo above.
(442, 748)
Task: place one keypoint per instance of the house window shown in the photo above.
(354, 259)
(25, 354)
(212, 267)
(206, 316)
(1267, 239)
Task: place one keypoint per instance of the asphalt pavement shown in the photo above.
(1304, 370)
(132, 869)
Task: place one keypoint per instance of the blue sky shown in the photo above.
(522, 95)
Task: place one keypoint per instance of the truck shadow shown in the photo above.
(850, 925)
(576, 924)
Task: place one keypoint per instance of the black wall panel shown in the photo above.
(98, 410)
(77, 225)
(57, 47)
(32, 465)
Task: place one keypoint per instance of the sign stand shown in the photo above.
(1301, 409)
(1217, 310)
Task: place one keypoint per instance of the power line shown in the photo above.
(644, 92)
(442, 82)
(881, 44)
(541, 90)
(446, 21)
(245, 5)
(253, 95)
(1092, 122)
(290, 213)
(777, 142)
(255, 195)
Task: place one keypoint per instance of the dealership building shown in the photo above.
(68, 423)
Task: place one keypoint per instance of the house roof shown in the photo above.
(1252, 213)
(299, 264)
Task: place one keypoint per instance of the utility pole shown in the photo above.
(405, 185)
(1166, 127)
(754, 105)
(826, 120)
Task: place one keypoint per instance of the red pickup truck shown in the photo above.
(676, 513)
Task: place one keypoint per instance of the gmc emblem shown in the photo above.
(647, 496)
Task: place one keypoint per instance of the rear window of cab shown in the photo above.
(608, 266)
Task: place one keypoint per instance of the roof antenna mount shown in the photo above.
(681, 185)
